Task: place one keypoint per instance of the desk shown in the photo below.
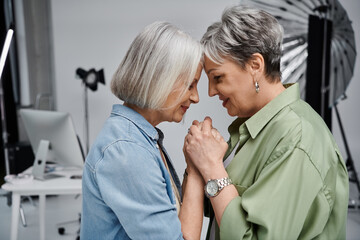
(55, 186)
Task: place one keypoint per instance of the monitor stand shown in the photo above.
(40, 162)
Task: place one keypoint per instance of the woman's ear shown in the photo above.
(257, 64)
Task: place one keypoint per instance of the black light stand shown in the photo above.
(90, 80)
(3, 57)
(317, 92)
(318, 64)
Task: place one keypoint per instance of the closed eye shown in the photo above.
(193, 84)
(217, 78)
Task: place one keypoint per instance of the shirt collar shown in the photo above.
(258, 121)
(161, 136)
(137, 119)
(234, 130)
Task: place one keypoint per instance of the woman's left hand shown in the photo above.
(205, 148)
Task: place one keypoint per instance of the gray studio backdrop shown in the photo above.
(96, 34)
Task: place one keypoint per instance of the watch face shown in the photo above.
(212, 188)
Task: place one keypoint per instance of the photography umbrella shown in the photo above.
(293, 15)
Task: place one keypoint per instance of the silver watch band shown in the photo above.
(223, 182)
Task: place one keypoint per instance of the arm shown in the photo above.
(285, 202)
(286, 194)
(206, 148)
(191, 212)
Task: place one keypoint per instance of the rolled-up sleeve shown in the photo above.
(134, 185)
(277, 205)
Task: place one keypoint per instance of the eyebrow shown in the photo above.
(210, 70)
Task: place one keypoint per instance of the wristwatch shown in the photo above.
(214, 186)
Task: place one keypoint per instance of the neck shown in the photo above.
(151, 115)
(269, 91)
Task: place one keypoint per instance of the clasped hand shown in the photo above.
(204, 148)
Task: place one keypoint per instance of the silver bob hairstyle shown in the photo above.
(242, 32)
(158, 59)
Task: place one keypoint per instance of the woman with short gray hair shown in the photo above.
(283, 176)
(130, 187)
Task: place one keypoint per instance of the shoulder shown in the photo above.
(300, 127)
(121, 137)
(315, 134)
(299, 121)
(118, 129)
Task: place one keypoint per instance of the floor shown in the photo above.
(65, 209)
(61, 211)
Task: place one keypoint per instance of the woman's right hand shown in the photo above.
(190, 167)
(205, 148)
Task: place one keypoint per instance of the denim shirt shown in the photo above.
(126, 187)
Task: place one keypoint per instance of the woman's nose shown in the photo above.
(212, 90)
(194, 97)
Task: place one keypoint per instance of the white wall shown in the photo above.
(94, 33)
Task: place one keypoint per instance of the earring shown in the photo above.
(257, 87)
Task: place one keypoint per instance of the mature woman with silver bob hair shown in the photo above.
(283, 176)
(130, 187)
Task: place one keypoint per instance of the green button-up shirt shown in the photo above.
(290, 176)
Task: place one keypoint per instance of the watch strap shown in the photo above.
(223, 182)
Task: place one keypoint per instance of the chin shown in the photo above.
(176, 119)
(179, 118)
(232, 114)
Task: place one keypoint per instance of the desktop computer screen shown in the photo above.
(53, 138)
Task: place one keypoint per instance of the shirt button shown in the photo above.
(157, 146)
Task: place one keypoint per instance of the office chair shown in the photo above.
(62, 230)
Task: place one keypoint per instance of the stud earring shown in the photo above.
(257, 87)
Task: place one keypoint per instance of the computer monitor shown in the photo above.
(52, 137)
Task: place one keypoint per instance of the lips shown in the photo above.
(225, 102)
(184, 108)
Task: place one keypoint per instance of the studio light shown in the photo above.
(90, 79)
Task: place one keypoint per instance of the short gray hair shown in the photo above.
(158, 58)
(242, 32)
